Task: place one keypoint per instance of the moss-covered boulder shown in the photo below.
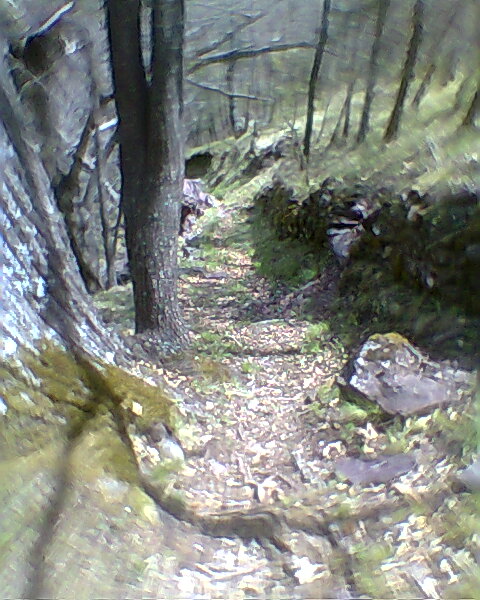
(330, 211)
(390, 372)
(407, 262)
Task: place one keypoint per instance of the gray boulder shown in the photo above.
(392, 373)
(381, 470)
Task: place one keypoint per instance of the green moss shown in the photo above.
(142, 504)
(147, 404)
(352, 414)
(36, 417)
(249, 367)
(368, 576)
(373, 412)
(374, 302)
(384, 286)
(283, 260)
(174, 502)
(459, 526)
(100, 451)
(164, 473)
(342, 511)
(62, 377)
(316, 336)
(461, 434)
(468, 587)
(53, 398)
(212, 370)
(215, 345)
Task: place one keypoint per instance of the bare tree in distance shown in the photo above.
(382, 8)
(407, 72)
(433, 54)
(317, 62)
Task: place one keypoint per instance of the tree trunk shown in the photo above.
(432, 67)
(449, 66)
(352, 56)
(164, 179)
(336, 132)
(64, 411)
(348, 109)
(383, 6)
(108, 230)
(317, 62)
(427, 78)
(152, 161)
(232, 101)
(59, 88)
(407, 72)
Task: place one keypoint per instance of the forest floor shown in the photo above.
(264, 427)
(252, 379)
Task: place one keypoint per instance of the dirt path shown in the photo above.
(248, 388)
(268, 515)
(267, 428)
(251, 387)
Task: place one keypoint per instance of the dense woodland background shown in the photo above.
(245, 69)
(282, 77)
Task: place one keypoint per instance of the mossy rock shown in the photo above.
(389, 371)
(52, 395)
(147, 404)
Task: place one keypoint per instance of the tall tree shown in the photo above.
(150, 110)
(382, 10)
(317, 63)
(407, 72)
(351, 50)
(438, 42)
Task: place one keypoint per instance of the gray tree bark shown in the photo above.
(383, 6)
(59, 70)
(43, 294)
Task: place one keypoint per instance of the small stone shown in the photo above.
(170, 450)
(470, 477)
(380, 470)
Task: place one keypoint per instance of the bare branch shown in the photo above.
(211, 88)
(54, 18)
(236, 54)
(230, 35)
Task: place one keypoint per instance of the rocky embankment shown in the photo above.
(408, 261)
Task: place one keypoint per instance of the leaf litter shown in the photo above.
(265, 428)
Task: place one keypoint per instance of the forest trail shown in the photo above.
(252, 440)
(263, 432)
(256, 370)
